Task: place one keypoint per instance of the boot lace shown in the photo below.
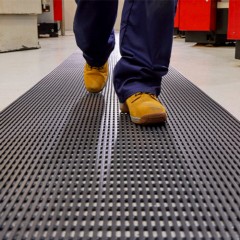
(139, 94)
(97, 68)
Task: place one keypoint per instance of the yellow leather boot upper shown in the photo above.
(144, 108)
(95, 78)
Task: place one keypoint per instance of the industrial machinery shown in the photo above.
(18, 25)
(204, 21)
(234, 24)
(49, 20)
(209, 22)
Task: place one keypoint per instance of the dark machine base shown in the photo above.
(205, 37)
(74, 167)
(179, 33)
(237, 50)
(217, 37)
(50, 29)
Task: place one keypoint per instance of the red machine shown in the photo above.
(203, 21)
(209, 21)
(234, 20)
(198, 15)
(234, 24)
(57, 6)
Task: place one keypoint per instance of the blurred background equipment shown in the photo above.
(18, 24)
(213, 22)
(50, 21)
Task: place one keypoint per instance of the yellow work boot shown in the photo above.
(144, 108)
(95, 78)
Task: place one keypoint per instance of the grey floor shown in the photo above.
(213, 69)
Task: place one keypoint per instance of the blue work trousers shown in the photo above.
(145, 41)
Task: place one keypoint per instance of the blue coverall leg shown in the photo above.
(145, 41)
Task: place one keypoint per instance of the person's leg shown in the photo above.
(93, 28)
(145, 45)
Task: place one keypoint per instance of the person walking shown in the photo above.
(146, 36)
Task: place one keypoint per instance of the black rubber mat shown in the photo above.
(74, 167)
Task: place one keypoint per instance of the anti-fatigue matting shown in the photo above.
(74, 167)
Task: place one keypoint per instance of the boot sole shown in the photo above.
(147, 119)
(150, 119)
(96, 90)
